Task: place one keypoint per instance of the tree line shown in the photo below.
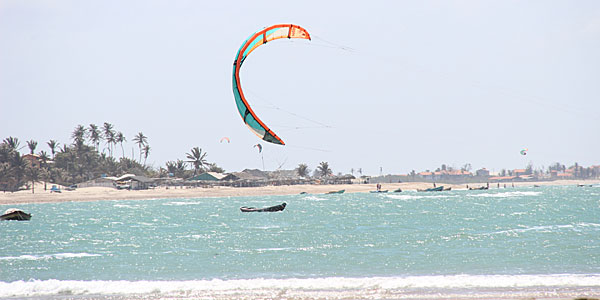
(83, 159)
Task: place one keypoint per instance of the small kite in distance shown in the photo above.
(259, 146)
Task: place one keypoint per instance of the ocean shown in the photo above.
(511, 243)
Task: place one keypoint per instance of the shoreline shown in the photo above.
(105, 193)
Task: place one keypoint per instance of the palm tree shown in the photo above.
(32, 145)
(53, 145)
(140, 139)
(146, 151)
(78, 135)
(120, 139)
(324, 169)
(95, 135)
(196, 157)
(18, 166)
(12, 142)
(44, 160)
(109, 136)
(302, 170)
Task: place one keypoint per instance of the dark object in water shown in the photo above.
(336, 192)
(435, 189)
(398, 190)
(478, 188)
(279, 207)
(303, 193)
(14, 214)
(380, 191)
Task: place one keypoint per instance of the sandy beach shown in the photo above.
(103, 193)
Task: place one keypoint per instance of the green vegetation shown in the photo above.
(84, 159)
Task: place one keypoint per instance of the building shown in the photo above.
(482, 172)
(34, 160)
(208, 176)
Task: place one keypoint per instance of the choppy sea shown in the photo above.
(509, 243)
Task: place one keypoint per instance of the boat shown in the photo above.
(398, 190)
(380, 191)
(15, 214)
(279, 207)
(435, 189)
(336, 192)
(478, 188)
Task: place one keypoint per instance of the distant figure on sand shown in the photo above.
(379, 187)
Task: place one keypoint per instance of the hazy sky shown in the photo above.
(395, 84)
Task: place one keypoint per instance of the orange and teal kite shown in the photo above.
(257, 39)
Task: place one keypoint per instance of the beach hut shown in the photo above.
(208, 176)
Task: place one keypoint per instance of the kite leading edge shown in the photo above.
(254, 41)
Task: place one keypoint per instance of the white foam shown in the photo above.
(414, 197)
(506, 194)
(181, 203)
(73, 287)
(49, 256)
(314, 198)
(548, 228)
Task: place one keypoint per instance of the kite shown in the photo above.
(257, 39)
(524, 151)
(259, 146)
(225, 139)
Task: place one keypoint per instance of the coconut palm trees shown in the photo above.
(32, 145)
(95, 135)
(52, 144)
(141, 140)
(12, 142)
(324, 170)
(302, 170)
(120, 138)
(197, 158)
(146, 151)
(78, 136)
(109, 136)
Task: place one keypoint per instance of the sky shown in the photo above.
(383, 86)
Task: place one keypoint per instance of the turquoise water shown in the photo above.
(493, 239)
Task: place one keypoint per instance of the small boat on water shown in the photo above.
(279, 207)
(380, 191)
(15, 214)
(478, 188)
(336, 192)
(435, 189)
(398, 190)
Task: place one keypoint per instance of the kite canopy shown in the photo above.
(524, 151)
(225, 139)
(259, 146)
(254, 41)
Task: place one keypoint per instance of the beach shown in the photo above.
(104, 193)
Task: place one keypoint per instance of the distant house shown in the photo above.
(34, 160)
(482, 172)
(127, 181)
(520, 172)
(426, 175)
(208, 176)
(502, 178)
